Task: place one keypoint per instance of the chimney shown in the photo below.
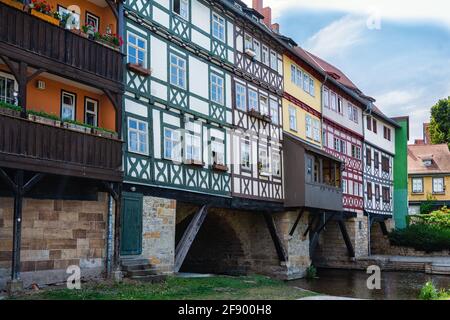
(258, 5)
(276, 27)
(266, 12)
(426, 133)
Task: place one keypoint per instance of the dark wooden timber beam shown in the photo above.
(32, 182)
(315, 237)
(310, 225)
(4, 176)
(14, 69)
(113, 7)
(117, 225)
(35, 74)
(17, 227)
(282, 256)
(384, 228)
(300, 214)
(348, 242)
(116, 100)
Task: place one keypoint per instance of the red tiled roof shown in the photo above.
(439, 153)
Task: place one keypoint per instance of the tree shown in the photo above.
(440, 122)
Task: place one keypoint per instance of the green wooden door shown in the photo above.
(131, 226)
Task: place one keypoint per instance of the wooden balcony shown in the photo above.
(37, 147)
(43, 45)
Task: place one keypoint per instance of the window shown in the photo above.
(273, 60)
(296, 76)
(263, 160)
(276, 164)
(91, 112)
(356, 152)
(368, 157)
(265, 55)
(218, 152)
(137, 136)
(193, 147)
(245, 155)
(93, 20)
(333, 101)
(7, 88)
(311, 86)
(417, 185)
(263, 105)
(172, 144)
(376, 160)
(326, 98)
(248, 42)
(305, 82)
(137, 50)
(369, 123)
(340, 105)
(352, 113)
(438, 185)
(241, 97)
(316, 130)
(181, 7)
(324, 138)
(374, 125)
(385, 164)
(369, 190)
(308, 126)
(344, 186)
(217, 88)
(343, 146)
(252, 100)
(377, 192)
(274, 112)
(292, 118)
(218, 27)
(177, 71)
(257, 49)
(387, 133)
(337, 144)
(386, 195)
(68, 102)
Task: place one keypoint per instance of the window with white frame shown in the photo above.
(324, 138)
(137, 136)
(248, 42)
(292, 118)
(136, 50)
(311, 86)
(340, 105)
(257, 49)
(417, 185)
(68, 105)
(333, 101)
(438, 185)
(218, 27)
(263, 105)
(181, 8)
(241, 97)
(273, 60)
(245, 154)
(7, 88)
(263, 160)
(326, 98)
(305, 82)
(252, 100)
(172, 144)
(193, 146)
(177, 71)
(316, 130)
(91, 112)
(265, 55)
(296, 76)
(352, 113)
(308, 126)
(276, 164)
(356, 152)
(344, 186)
(274, 112)
(218, 152)
(217, 88)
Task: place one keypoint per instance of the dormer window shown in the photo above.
(427, 162)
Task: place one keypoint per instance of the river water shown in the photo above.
(352, 283)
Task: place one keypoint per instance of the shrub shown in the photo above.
(311, 272)
(428, 292)
(422, 236)
(44, 115)
(11, 106)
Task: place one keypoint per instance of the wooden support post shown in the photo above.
(310, 225)
(22, 81)
(17, 226)
(300, 214)
(315, 238)
(282, 256)
(348, 242)
(383, 228)
(188, 237)
(117, 223)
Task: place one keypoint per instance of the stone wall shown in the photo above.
(55, 235)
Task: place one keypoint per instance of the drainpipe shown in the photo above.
(109, 249)
(367, 111)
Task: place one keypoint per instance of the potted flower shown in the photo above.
(43, 117)
(101, 132)
(10, 109)
(254, 113)
(89, 30)
(77, 126)
(13, 3)
(110, 40)
(43, 10)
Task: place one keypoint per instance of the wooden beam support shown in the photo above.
(14, 70)
(282, 256)
(4, 176)
(300, 214)
(188, 237)
(116, 100)
(32, 182)
(117, 224)
(35, 74)
(315, 237)
(384, 228)
(348, 242)
(17, 227)
(113, 7)
(310, 225)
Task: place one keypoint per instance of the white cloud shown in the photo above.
(436, 10)
(396, 98)
(337, 37)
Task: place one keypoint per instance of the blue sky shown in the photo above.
(395, 51)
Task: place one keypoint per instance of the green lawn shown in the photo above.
(212, 288)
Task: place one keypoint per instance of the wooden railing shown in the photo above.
(54, 148)
(23, 30)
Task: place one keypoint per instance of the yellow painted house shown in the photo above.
(302, 100)
(428, 175)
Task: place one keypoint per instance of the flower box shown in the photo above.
(44, 120)
(105, 134)
(220, 167)
(12, 3)
(195, 163)
(108, 44)
(139, 69)
(10, 112)
(266, 118)
(254, 113)
(80, 33)
(251, 53)
(45, 17)
(77, 127)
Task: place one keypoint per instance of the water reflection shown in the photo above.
(352, 283)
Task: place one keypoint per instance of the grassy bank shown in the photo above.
(212, 288)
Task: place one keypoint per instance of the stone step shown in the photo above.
(143, 272)
(150, 278)
(133, 261)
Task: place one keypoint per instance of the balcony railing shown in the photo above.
(33, 146)
(37, 36)
(323, 197)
